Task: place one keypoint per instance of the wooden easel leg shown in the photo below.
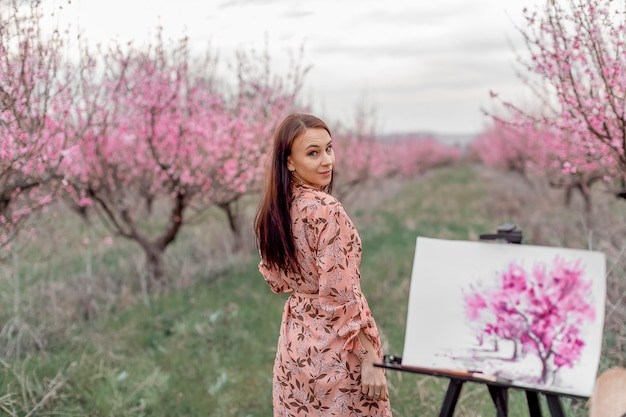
(451, 398)
(499, 395)
(554, 404)
(533, 404)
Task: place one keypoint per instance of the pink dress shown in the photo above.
(317, 371)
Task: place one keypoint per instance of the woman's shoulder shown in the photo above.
(310, 199)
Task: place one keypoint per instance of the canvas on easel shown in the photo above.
(530, 315)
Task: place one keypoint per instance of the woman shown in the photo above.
(328, 339)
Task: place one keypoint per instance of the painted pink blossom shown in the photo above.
(542, 310)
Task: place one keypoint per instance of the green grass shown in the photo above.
(208, 350)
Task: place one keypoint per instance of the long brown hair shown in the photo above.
(272, 225)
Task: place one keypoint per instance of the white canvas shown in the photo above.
(526, 314)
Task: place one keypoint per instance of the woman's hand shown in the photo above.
(373, 380)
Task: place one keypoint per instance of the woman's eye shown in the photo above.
(313, 153)
(330, 148)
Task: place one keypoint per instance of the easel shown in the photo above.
(497, 389)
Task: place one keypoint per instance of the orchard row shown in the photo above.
(120, 128)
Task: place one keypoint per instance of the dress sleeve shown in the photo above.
(338, 258)
(274, 278)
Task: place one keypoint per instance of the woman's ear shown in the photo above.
(290, 165)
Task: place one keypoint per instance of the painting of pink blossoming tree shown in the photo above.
(526, 314)
(540, 310)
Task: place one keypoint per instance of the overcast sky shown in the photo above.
(425, 66)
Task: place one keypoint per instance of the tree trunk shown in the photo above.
(544, 370)
(234, 223)
(586, 194)
(568, 195)
(154, 267)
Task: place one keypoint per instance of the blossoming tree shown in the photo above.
(35, 94)
(164, 142)
(242, 132)
(544, 152)
(576, 67)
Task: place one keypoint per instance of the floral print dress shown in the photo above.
(317, 371)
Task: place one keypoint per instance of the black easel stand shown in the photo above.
(497, 389)
(507, 232)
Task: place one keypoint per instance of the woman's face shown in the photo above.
(312, 158)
